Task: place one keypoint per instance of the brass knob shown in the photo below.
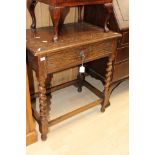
(82, 55)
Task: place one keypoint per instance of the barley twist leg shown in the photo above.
(108, 77)
(43, 127)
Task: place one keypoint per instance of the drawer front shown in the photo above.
(122, 54)
(121, 71)
(71, 57)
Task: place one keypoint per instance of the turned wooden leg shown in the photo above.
(41, 74)
(48, 81)
(109, 9)
(108, 78)
(31, 7)
(63, 16)
(55, 13)
(49, 94)
(43, 127)
(80, 78)
(80, 13)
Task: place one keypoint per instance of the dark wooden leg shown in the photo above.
(49, 95)
(63, 16)
(48, 81)
(108, 78)
(31, 7)
(43, 127)
(109, 9)
(80, 13)
(42, 76)
(80, 78)
(55, 13)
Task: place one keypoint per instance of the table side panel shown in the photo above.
(32, 61)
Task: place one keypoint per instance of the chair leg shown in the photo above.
(55, 13)
(31, 4)
(81, 78)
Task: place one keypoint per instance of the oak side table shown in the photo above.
(59, 9)
(76, 41)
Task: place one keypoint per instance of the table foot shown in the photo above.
(43, 137)
(102, 109)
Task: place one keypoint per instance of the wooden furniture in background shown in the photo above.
(43, 16)
(31, 134)
(46, 58)
(119, 23)
(60, 8)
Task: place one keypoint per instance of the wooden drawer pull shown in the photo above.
(82, 55)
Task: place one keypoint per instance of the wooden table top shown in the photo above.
(71, 35)
(73, 2)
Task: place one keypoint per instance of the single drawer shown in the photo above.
(122, 54)
(71, 57)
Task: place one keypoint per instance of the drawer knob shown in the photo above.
(82, 55)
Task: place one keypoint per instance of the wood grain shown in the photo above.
(67, 52)
(72, 35)
(43, 19)
(71, 57)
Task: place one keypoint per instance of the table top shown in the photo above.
(73, 2)
(71, 35)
